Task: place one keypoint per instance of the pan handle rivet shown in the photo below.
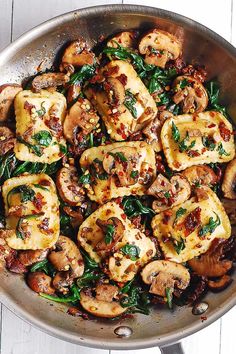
(200, 308)
(123, 331)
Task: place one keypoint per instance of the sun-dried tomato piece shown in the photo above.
(224, 132)
(192, 221)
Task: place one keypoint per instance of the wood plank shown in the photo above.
(18, 337)
(5, 22)
(228, 332)
(48, 10)
(219, 20)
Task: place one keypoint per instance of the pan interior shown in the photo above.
(20, 61)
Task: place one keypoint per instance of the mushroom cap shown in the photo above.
(7, 95)
(7, 139)
(40, 282)
(165, 274)
(229, 180)
(167, 45)
(126, 39)
(100, 308)
(49, 80)
(68, 187)
(29, 257)
(193, 95)
(80, 116)
(200, 173)
(68, 257)
(76, 54)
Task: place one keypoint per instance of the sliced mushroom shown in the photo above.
(100, 308)
(73, 93)
(7, 94)
(169, 193)
(211, 264)
(68, 187)
(49, 80)
(106, 292)
(200, 174)
(29, 257)
(7, 140)
(126, 39)
(165, 274)
(152, 132)
(159, 47)
(40, 283)
(190, 93)
(229, 181)
(77, 54)
(81, 116)
(62, 281)
(121, 162)
(220, 284)
(76, 216)
(115, 91)
(67, 257)
(104, 247)
(230, 208)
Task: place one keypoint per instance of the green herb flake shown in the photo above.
(179, 246)
(118, 156)
(175, 132)
(130, 102)
(208, 143)
(183, 83)
(85, 179)
(131, 250)
(41, 112)
(221, 150)
(110, 230)
(169, 297)
(63, 149)
(183, 144)
(180, 212)
(43, 138)
(167, 195)
(210, 226)
(134, 174)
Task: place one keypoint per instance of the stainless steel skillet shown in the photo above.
(20, 60)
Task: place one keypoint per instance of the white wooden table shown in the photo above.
(18, 16)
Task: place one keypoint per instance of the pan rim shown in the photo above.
(6, 299)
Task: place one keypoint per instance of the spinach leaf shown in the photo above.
(44, 266)
(118, 156)
(130, 102)
(134, 174)
(20, 233)
(36, 149)
(179, 246)
(213, 91)
(208, 143)
(137, 299)
(41, 111)
(131, 250)
(43, 138)
(63, 149)
(73, 297)
(110, 230)
(221, 150)
(175, 132)
(97, 170)
(89, 262)
(210, 226)
(40, 187)
(26, 193)
(85, 178)
(133, 207)
(84, 73)
(183, 144)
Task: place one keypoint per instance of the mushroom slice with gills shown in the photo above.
(115, 91)
(29, 257)
(49, 80)
(200, 174)
(210, 264)
(7, 94)
(159, 47)
(106, 292)
(122, 161)
(169, 193)
(40, 283)
(67, 184)
(190, 93)
(221, 283)
(62, 281)
(67, 257)
(113, 230)
(7, 140)
(163, 274)
(80, 117)
(77, 54)
(229, 180)
(125, 39)
(100, 308)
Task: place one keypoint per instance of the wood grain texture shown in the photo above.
(18, 337)
(5, 22)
